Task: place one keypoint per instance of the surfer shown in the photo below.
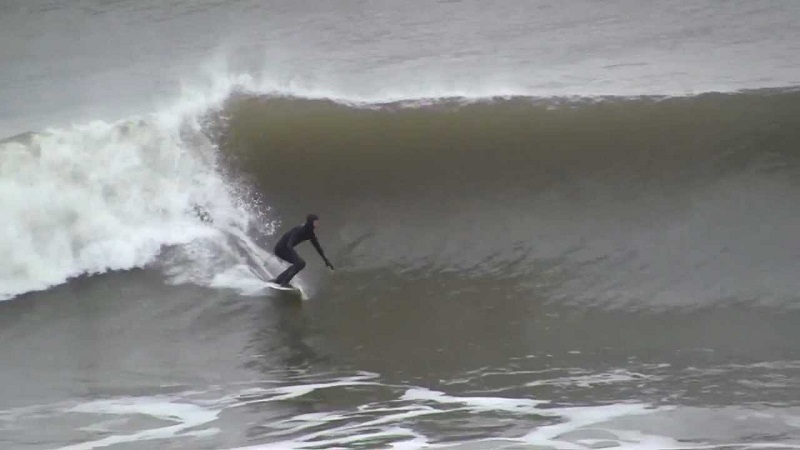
(284, 249)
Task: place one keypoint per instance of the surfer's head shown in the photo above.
(311, 220)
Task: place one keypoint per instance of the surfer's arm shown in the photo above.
(315, 242)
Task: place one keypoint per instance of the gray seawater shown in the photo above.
(555, 225)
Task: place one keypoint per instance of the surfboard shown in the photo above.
(288, 290)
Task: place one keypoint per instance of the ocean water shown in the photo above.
(563, 225)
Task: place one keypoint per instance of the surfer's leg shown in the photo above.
(297, 264)
(279, 279)
(284, 254)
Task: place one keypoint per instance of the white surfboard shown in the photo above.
(287, 289)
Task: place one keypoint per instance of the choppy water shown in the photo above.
(555, 225)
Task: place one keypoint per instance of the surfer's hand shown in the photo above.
(328, 263)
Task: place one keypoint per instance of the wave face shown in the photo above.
(634, 202)
(643, 202)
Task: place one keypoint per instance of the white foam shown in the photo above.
(588, 380)
(187, 415)
(474, 403)
(577, 427)
(415, 418)
(291, 392)
(597, 420)
(582, 417)
(110, 196)
(413, 441)
(95, 198)
(239, 277)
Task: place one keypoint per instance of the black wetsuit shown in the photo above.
(284, 250)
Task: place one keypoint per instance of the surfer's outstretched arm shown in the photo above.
(315, 242)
